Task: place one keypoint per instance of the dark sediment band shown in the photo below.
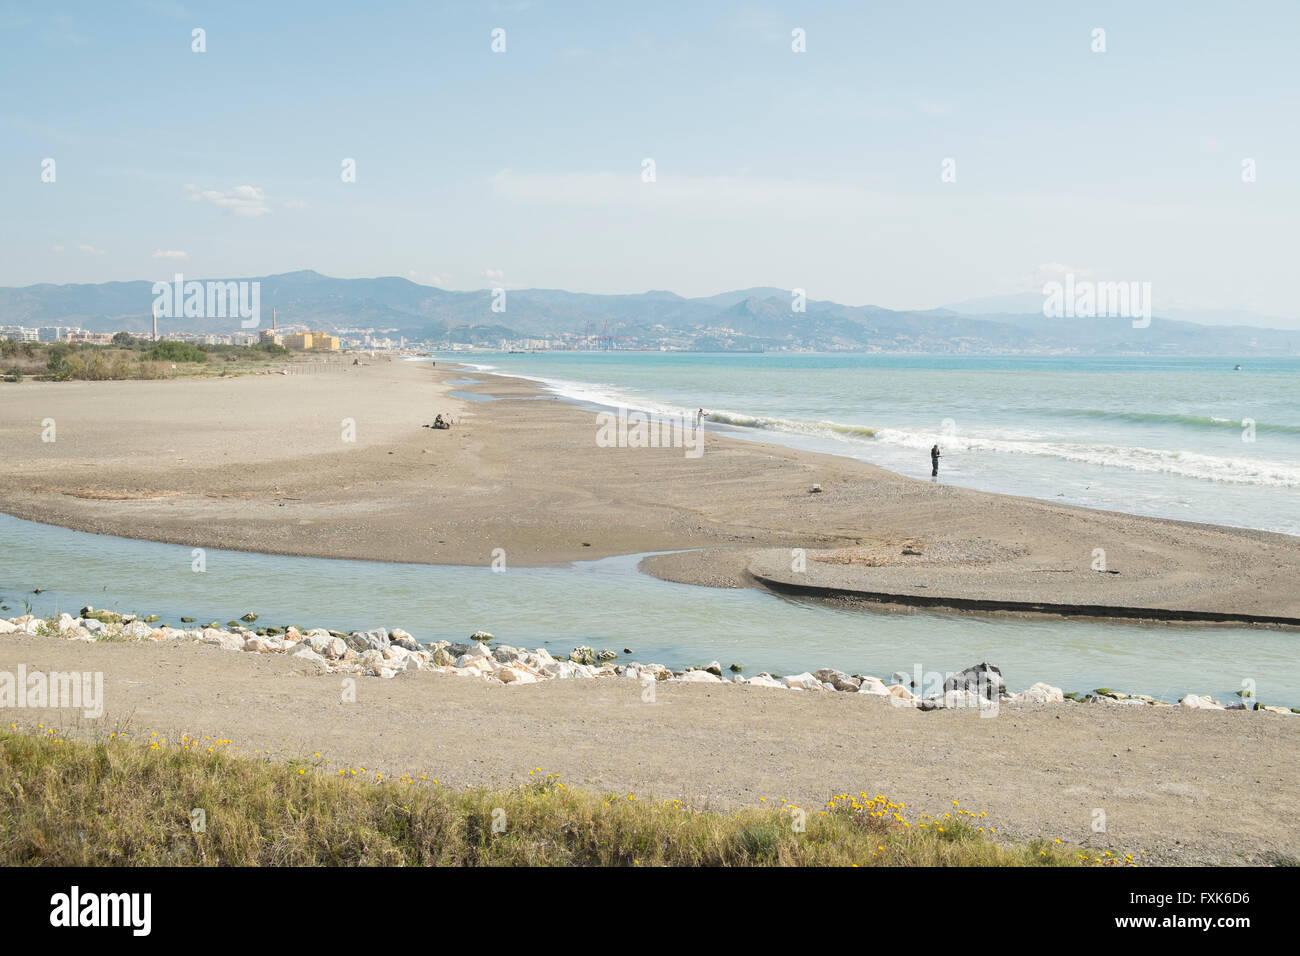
(939, 602)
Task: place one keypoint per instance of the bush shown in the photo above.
(116, 802)
(176, 352)
(57, 364)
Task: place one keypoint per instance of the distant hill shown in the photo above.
(744, 319)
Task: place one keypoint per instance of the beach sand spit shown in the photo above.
(263, 463)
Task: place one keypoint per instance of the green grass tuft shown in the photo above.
(117, 802)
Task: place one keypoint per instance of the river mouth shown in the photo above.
(609, 604)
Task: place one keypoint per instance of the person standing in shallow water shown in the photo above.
(935, 455)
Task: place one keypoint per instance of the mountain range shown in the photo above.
(757, 318)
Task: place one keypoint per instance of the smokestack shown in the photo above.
(273, 320)
(155, 326)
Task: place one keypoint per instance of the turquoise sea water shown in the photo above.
(608, 604)
(1171, 437)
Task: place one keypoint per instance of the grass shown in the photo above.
(129, 357)
(119, 802)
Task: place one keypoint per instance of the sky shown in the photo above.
(822, 170)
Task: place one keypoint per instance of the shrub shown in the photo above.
(176, 352)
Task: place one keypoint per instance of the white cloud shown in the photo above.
(249, 201)
(87, 247)
(57, 247)
(171, 254)
(295, 204)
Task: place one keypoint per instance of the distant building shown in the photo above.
(311, 342)
(269, 337)
(90, 338)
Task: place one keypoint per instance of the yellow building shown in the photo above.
(311, 341)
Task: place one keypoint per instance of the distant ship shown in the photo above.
(1237, 369)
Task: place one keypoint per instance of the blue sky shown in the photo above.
(818, 170)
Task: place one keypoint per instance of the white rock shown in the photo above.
(305, 655)
(8, 627)
(258, 645)
(698, 677)
(513, 675)
(964, 700)
(1041, 693)
(764, 680)
(227, 642)
(1196, 702)
(319, 641)
(558, 669)
(804, 681)
(873, 685)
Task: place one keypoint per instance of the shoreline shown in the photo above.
(257, 465)
(572, 391)
(388, 653)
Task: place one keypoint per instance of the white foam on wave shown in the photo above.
(1187, 464)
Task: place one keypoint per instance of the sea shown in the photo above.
(1213, 439)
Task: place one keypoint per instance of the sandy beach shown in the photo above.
(262, 463)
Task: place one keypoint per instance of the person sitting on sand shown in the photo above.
(935, 455)
(441, 422)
